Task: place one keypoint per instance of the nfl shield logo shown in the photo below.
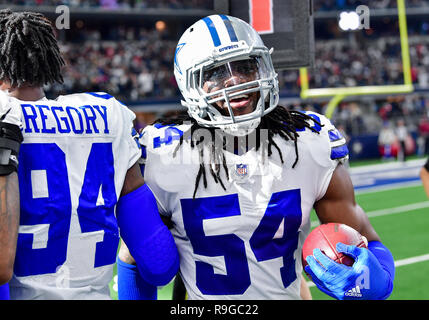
(241, 169)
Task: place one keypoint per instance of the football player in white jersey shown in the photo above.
(238, 176)
(80, 185)
(10, 141)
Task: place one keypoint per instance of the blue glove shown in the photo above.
(366, 279)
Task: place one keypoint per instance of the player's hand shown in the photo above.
(365, 279)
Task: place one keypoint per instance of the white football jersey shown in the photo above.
(245, 242)
(72, 165)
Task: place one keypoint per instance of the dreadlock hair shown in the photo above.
(280, 122)
(29, 52)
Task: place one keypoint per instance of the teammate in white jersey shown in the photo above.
(238, 176)
(79, 182)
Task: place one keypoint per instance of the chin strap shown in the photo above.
(242, 129)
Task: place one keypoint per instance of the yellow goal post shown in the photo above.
(338, 94)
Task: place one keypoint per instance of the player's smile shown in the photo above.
(240, 105)
(229, 75)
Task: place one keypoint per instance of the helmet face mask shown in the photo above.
(232, 86)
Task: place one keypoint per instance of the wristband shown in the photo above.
(4, 292)
(385, 258)
(131, 285)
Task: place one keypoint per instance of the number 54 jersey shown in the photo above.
(244, 241)
(72, 165)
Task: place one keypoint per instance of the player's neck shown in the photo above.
(27, 93)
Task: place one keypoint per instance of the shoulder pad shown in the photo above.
(337, 142)
(158, 136)
(4, 101)
(85, 96)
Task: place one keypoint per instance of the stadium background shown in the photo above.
(126, 48)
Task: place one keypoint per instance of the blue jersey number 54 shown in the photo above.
(283, 210)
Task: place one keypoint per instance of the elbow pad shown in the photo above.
(148, 239)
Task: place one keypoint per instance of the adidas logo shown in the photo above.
(355, 292)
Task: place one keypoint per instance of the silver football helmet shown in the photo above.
(225, 74)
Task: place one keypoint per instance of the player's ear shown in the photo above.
(4, 85)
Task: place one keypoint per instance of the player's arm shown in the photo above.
(424, 176)
(339, 205)
(10, 142)
(131, 285)
(305, 292)
(373, 270)
(149, 241)
(9, 223)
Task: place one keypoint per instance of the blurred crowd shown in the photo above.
(397, 120)
(132, 70)
(369, 115)
(117, 4)
(328, 5)
(137, 64)
(376, 62)
(322, 5)
(398, 124)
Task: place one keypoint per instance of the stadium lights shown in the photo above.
(160, 25)
(349, 21)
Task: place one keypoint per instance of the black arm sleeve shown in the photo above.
(10, 142)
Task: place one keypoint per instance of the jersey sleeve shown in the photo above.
(328, 150)
(4, 101)
(148, 166)
(143, 146)
(426, 166)
(338, 145)
(10, 110)
(130, 135)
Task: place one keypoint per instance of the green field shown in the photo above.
(401, 218)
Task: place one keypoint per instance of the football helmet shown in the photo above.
(225, 74)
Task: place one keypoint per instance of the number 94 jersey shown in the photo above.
(243, 242)
(72, 165)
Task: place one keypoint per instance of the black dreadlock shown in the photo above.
(280, 122)
(29, 52)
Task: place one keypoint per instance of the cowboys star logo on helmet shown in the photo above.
(225, 74)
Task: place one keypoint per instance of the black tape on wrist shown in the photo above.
(10, 142)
